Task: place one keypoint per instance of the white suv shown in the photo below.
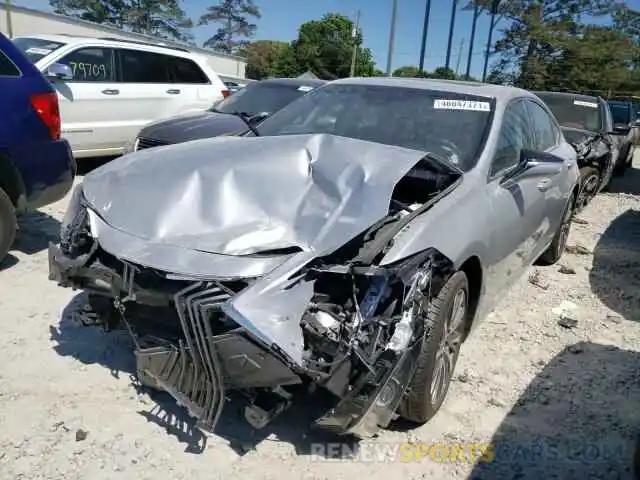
(110, 88)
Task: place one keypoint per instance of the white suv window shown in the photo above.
(90, 64)
(143, 67)
(186, 71)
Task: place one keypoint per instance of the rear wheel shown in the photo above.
(552, 254)
(448, 313)
(8, 224)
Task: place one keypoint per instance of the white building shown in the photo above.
(27, 21)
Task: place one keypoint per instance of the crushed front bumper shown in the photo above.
(196, 367)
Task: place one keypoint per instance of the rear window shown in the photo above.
(7, 67)
(36, 48)
(621, 112)
(187, 71)
(261, 98)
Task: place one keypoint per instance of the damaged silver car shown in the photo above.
(350, 242)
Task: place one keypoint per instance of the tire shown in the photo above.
(621, 168)
(589, 183)
(8, 224)
(420, 405)
(553, 254)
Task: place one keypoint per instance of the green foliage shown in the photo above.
(324, 47)
(550, 45)
(262, 56)
(440, 72)
(161, 18)
(235, 28)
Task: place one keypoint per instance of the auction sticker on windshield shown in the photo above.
(38, 51)
(461, 105)
(582, 103)
(304, 88)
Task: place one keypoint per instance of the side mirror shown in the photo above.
(59, 71)
(534, 164)
(621, 129)
(257, 118)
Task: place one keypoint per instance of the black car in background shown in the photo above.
(587, 124)
(625, 121)
(235, 114)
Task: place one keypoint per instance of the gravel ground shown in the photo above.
(555, 393)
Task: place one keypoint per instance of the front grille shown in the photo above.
(142, 143)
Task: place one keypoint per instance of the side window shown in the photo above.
(92, 64)
(7, 68)
(514, 137)
(544, 127)
(187, 71)
(144, 67)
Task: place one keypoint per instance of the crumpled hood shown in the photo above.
(239, 196)
(576, 135)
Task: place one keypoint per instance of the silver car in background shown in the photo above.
(350, 242)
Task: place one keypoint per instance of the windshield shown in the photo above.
(450, 125)
(261, 98)
(36, 48)
(575, 113)
(621, 112)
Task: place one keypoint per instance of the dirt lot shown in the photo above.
(556, 401)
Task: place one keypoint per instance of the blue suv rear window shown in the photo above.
(7, 67)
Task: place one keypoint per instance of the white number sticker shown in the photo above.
(469, 105)
(38, 51)
(582, 103)
(304, 88)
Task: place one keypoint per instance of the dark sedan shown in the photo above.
(236, 113)
(587, 124)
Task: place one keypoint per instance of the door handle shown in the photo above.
(110, 91)
(173, 91)
(545, 184)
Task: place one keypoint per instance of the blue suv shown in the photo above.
(36, 165)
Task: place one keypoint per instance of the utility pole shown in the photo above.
(476, 14)
(454, 7)
(392, 34)
(459, 56)
(354, 36)
(492, 25)
(7, 11)
(425, 29)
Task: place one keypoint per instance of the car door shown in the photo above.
(146, 89)
(611, 141)
(191, 87)
(518, 206)
(87, 106)
(547, 139)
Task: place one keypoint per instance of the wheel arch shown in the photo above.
(472, 268)
(11, 180)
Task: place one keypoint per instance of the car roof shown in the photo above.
(110, 42)
(296, 82)
(573, 96)
(499, 92)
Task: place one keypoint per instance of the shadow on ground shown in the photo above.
(87, 165)
(578, 419)
(615, 273)
(114, 350)
(36, 230)
(628, 183)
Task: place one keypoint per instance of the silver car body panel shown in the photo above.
(210, 196)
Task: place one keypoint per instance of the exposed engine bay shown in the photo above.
(338, 321)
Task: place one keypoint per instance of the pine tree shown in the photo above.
(234, 18)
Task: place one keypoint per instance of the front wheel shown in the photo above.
(589, 183)
(448, 313)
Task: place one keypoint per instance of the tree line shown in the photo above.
(568, 45)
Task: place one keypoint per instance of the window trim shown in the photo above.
(120, 69)
(554, 123)
(172, 76)
(11, 62)
(113, 75)
(491, 177)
